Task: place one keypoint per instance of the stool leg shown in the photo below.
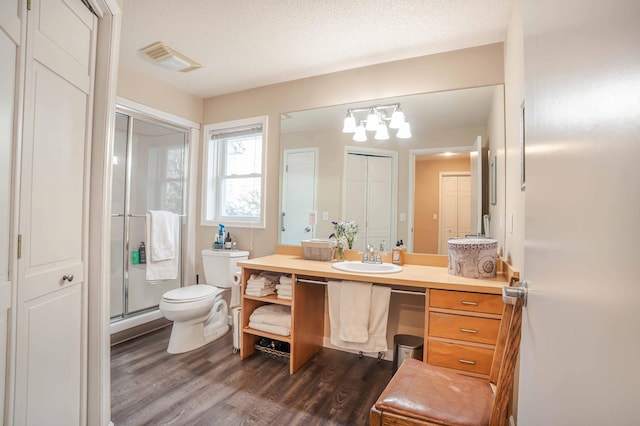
(361, 354)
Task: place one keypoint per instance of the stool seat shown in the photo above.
(436, 395)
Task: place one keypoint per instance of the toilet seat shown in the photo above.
(191, 293)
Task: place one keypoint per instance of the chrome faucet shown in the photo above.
(370, 255)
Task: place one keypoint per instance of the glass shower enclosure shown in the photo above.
(149, 173)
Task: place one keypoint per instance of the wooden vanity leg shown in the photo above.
(426, 326)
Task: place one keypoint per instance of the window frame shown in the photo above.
(211, 182)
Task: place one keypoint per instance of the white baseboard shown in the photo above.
(512, 422)
(387, 355)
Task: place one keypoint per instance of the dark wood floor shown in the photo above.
(211, 386)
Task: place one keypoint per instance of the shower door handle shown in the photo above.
(282, 215)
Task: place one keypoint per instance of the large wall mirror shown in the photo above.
(445, 180)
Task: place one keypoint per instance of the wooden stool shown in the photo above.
(421, 394)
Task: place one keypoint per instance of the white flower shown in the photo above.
(345, 232)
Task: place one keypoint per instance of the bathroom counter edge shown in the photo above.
(419, 276)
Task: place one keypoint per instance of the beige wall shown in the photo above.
(143, 89)
(496, 143)
(479, 66)
(514, 95)
(427, 197)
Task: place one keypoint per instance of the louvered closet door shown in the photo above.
(52, 297)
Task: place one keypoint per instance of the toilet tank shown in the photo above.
(220, 265)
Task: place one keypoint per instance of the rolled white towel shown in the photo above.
(284, 287)
(286, 280)
(285, 292)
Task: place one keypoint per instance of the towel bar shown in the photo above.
(138, 215)
(413, 293)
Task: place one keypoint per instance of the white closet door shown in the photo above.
(52, 298)
(9, 48)
(369, 198)
(355, 208)
(455, 208)
(379, 188)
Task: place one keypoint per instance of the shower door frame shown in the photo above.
(134, 112)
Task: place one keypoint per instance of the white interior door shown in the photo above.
(299, 189)
(51, 347)
(580, 334)
(9, 48)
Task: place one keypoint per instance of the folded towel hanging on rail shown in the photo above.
(163, 242)
(377, 318)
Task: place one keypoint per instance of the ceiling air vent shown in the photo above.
(170, 58)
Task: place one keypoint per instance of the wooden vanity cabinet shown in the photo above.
(461, 330)
(307, 320)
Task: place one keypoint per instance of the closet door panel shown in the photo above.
(51, 329)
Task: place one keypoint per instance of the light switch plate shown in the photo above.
(313, 218)
(403, 217)
(325, 215)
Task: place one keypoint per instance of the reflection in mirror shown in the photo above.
(319, 174)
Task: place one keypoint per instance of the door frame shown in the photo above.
(98, 333)
(283, 185)
(394, 182)
(413, 153)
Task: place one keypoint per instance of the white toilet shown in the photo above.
(199, 312)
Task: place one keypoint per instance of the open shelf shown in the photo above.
(266, 334)
(272, 298)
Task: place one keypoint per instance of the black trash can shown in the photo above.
(406, 346)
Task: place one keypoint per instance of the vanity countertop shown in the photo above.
(420, 276)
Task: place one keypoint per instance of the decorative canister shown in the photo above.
(473, 257)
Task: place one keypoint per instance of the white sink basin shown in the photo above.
(367, 268)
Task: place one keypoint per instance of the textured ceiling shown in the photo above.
(252, 43)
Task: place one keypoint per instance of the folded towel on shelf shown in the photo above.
(284, 286)
(271, 314)
(259, 285)
(285, 296)
(377, 323)
(275, 329)
(260, 293)
(163, 239)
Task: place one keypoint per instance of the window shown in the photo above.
(235, 159)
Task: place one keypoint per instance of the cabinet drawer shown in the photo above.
(460, 357)
(466, 301)
(461, 327)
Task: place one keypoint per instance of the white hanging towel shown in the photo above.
(163, 241)
(164, 227)
(355, 303)
(377, 318)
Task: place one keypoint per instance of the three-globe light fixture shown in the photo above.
(376, 121)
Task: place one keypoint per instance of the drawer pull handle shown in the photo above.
(468, 330)
(464, 361)
(469, 303)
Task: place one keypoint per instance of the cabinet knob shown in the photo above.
(67, 277)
